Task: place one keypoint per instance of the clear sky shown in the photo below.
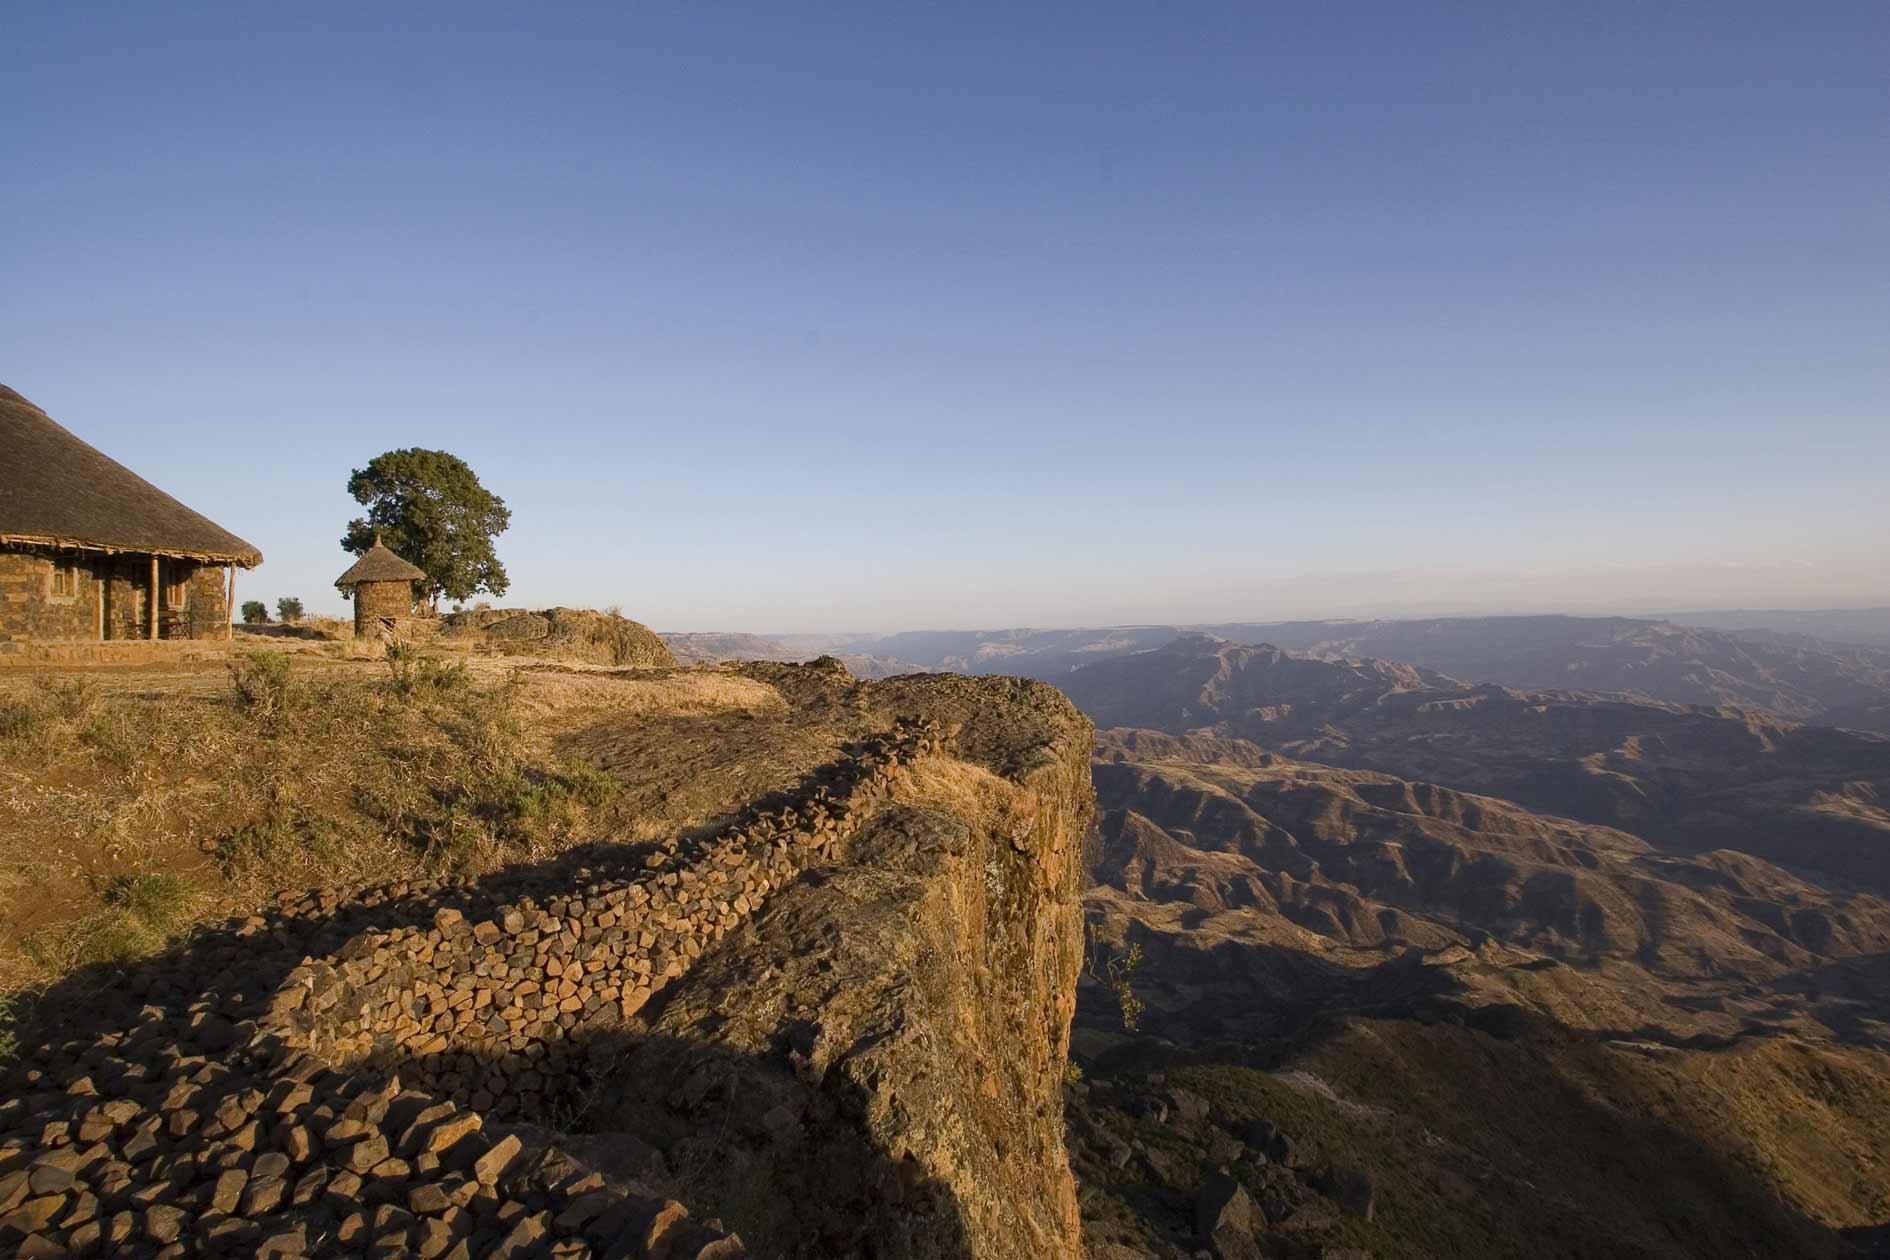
(782, 316)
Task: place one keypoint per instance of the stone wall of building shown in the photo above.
(30, 612)
(207, 612)
(28, 609)
(378, 603)
(124, 579)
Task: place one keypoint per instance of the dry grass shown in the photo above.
(126, 818)
(960, 788)
(665, 694)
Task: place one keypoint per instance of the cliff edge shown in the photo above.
(829, 1017)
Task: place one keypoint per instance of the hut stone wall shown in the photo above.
(123, 577)
(376, 603)
(31, 612)
(209, 610)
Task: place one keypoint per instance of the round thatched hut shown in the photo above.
(383, 591)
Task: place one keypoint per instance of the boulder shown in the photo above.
(1225, 1217)
(525, 626)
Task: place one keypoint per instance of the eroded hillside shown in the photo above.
(1423, 1022)
(829, 1017)
(1808, 797)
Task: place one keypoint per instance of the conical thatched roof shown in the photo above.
(378, 564)
(56, 490)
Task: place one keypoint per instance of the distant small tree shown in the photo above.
(429, 508)
(255, 612)
(289, 609)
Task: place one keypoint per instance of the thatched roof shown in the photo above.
(378, 564)
(57, 491)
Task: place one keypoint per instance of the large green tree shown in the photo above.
(429, 507)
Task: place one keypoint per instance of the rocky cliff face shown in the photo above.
(834, 1024)
(874, 1065)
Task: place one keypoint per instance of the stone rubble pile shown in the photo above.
(355, 1107)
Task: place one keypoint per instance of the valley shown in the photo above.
(1547, 972)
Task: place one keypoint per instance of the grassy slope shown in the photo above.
(125, 817)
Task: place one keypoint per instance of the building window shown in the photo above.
(65, 578)
(176, 583)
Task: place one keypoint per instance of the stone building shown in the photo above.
(89, 550)
(382, 587)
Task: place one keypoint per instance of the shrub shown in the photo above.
(264, 682)
(141, 913)
(289, 609)
(530, 795)
(38, 714)
(163, 901)
(255, 612)
(22, 717)
(116, 735)
(1117, 975)
(284, 834)
(74, 699)
(411, 672)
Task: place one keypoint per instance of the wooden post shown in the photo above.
(229, 602)
(155, 595)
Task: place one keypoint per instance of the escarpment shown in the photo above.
(834, 1025)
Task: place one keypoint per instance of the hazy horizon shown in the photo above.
(1365, 613)
(861, 320)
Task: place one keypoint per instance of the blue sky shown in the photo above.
(801, 317)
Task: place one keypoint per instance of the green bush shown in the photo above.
(255, 612)
(530, 795)
(163, 901)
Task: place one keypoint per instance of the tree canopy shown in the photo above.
(429, 508)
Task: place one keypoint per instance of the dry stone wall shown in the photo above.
(474, 1005)
(318, 1082)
